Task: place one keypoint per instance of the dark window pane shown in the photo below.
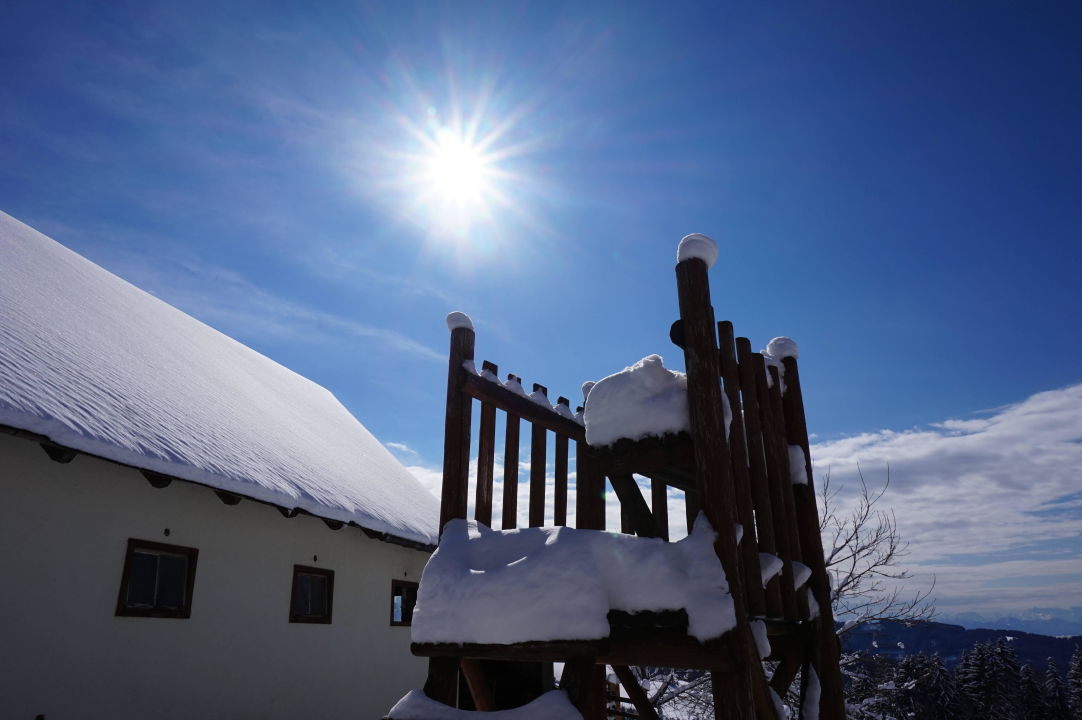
(142, 579)
(172, 577)
(318, 597)
(409, 603)
(301, 594)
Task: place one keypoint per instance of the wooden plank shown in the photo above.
(559, 501)
(480, 690)
(589, 490)
(831, 703)
(673, 452)
(639, 519)
(713, 469)
(510, 473)
(786, 484)
(538, 463)
(442, 682)
(486, 460)
(749, 548)
(635, 692)
(691, 507)
(757, 473)
(456, 429)
(659, 507)
(495, 394)
(776, 485)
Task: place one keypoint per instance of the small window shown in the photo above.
(403, 599)
(158, 580)
(313, 593)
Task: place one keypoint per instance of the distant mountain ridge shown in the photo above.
(896, 640)
(1043, 621)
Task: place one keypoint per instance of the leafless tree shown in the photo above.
(864, 553)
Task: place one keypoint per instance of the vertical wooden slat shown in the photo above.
(510, 472)
(589, 490)
(749, 548)
(559, 500)
(776, 488)
(831, 702)
(786, 485)
(659, 507)
(486, 458)
(760, 492)
(713, 472)
(538, 462)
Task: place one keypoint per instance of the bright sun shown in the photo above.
(457, 169)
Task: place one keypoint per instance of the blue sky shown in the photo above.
(895, 186)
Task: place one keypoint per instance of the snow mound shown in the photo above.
(457, 319)
(782, 347)
(699, 246)
(769, 566)
(96, 364)
(558, 583)
(643, 400)
(553, 705)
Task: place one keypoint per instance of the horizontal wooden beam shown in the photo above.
(493, 393)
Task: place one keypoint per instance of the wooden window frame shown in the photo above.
(135, 545)
(294, 616)
(395, 585)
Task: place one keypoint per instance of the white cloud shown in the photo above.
(984, 502)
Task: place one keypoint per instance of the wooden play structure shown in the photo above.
(746, 480)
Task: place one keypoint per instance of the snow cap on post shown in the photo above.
(782, 347)
(458, 319)
(699, 246)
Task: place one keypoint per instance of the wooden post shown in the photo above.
(589, 490)
(785, 486)
(510, 471)
(832, 700)
(456, 428)
(782, 530)
(753, 583)
(753, 429)
(538, 461)
(559, 500)
(635, 693)
(713, 476)
(442, 682)
(486, 459)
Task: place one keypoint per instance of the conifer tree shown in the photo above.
(1031, 695)
(1074, 685)
(1055, 694)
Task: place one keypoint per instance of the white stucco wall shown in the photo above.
(64, 654)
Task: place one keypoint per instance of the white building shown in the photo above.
(168, 499)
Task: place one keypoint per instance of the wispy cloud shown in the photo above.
(982, 500)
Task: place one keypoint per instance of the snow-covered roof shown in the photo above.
(98, 365)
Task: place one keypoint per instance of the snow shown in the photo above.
(514, 386)
(563, 411)
(457, 319)
(553, 705)
(558, 583)
(782, 347)
(699, 246)
(801, 573)
(762, 643)
(540, 398)
(810, 708)
(643, 400)
(798, 468)
(769, 566)
(96, 364)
